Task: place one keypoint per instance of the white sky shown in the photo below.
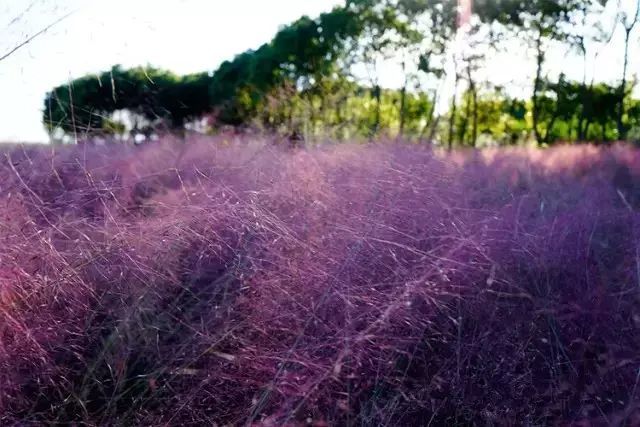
(183, 36)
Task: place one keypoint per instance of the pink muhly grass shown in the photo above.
(234, 282)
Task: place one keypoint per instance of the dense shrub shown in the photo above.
(238, 283)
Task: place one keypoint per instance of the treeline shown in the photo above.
(119, 100)
(321, 77)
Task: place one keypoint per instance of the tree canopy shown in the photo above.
(321, 76)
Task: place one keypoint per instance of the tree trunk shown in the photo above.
(434, 128)
(339, 119)
(323, 112)
(289, 113)
(581, 131)
(376, 121)
(403, 101)
(473, 98)
(430, 119)
(547, 134)
(474, 131)
(583, 95)
(462, 132)
(73, 116)
(623, 86)
(313, 117)
(536, 88)
(452, 118)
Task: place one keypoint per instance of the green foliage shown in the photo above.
(303, 81)
(543, 16)
(149, 95)
(301, 55)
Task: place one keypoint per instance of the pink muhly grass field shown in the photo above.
(384, 284)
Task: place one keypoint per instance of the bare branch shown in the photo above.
(39, 33)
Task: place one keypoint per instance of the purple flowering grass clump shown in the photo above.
(383, 284)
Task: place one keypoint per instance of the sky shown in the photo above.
(190, 36)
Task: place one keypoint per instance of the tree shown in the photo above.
(150, 97)
(306, 80)
(628, 23)
(300, 55)
(540, 22)
(437, 21)
(377, 42)
(586, 33)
